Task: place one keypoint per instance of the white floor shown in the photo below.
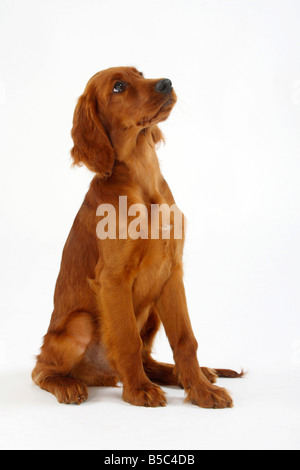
(266, 416)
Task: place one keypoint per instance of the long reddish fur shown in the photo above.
(111, 296)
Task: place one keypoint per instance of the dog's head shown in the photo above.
(115, 101)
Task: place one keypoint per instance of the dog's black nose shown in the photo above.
(164, 86)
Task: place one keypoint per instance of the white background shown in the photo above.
(232, 161)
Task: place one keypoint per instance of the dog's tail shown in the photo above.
(229, 374)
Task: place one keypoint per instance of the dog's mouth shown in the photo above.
(161, 114)
(167, 106)
(167, 103)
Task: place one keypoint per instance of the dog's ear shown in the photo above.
(157, 135)
(92, 146)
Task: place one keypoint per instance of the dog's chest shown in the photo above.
(155, 267)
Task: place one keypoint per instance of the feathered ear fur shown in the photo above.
(157, 135)
(92, 146)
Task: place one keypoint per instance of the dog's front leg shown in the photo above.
(123, 343)
(172, 308)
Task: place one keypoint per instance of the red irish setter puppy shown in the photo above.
(112, 294)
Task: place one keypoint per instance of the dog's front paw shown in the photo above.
(213, 397)
(148, 394)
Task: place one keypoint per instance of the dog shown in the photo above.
(113, 293)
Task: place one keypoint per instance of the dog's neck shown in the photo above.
(137, 152)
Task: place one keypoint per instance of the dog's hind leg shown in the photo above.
(62, 350)
(94, 369)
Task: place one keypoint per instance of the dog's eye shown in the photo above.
(119, 87)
